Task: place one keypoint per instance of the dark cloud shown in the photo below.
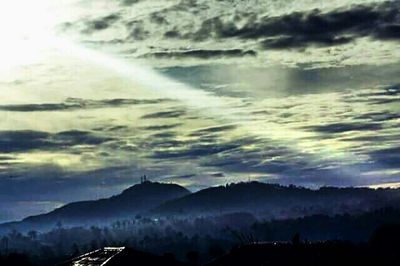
(162, 142)
(161, 127)
(6, 157)
(202, 54)
(117, 128)
(158, 19)
(387, 157)
(215, 129)
(78, 103)
(379, 21)
(172, 34)
(217, 175)
(298, 29)
(379, 116)
(303, 41)
(16, 141)
(130, 2)
(384, 101)
(100, 23)
(119, 102)
(374, 138)
(106, 42)
(344, 127)
(393, 90)
(137, 30)
(380, 95)
(387, 151)
(22, 141)
(388, 32)
(165, 114)
(384, 95)
(168, 134)
(77, 137)
(337, 27)
(39, 107)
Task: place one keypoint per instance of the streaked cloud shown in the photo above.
(17, 141)
(75, 103)
(202, 54)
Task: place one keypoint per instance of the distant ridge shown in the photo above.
(266, 201)
(134, 200)
(277, 201)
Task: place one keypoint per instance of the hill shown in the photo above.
(265, 201)
(276, 201)
(134, 200)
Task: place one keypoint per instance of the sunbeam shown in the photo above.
(210, 105)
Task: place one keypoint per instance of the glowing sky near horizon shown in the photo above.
(95, 94)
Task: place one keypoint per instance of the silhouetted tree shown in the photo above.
(75, 250)
(4, 243)
(296, 239)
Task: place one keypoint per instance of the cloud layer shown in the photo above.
(203, 30)
(309, 88)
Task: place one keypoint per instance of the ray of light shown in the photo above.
(207, 104)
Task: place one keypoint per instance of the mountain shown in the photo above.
(276, 201)
(135, 200)
(266, 201)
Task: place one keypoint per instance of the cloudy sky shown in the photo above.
(93, 94)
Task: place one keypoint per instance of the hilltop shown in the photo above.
(137, 199)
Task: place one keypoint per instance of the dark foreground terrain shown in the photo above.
(381, 249)
(321, 254)
(111, 256)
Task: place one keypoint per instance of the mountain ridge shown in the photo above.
(264, 200)
(258, 197)
(134, 200)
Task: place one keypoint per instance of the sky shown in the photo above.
(94, 94)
